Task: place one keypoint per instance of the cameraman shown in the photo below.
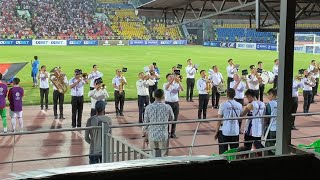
(98, 93)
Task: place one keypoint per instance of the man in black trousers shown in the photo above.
(190, 70)
(204, 86)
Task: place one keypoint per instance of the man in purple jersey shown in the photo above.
(15, 98)
(3, 95)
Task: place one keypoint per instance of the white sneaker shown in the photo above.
(5, 130)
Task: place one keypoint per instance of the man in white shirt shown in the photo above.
(191, 71)
(58, 97)
(77, 90)
(275, 72)
(254, 80)
(153, 82)
(296, 85)
(204, 87)
(119, 93)
(314, 69)
(216, 79)
(261, 85)
(307, 90)
(239, 86)
(171, 94)
(43, 78)
(228, 130)
(155, 113)
(95, 74)
(254, 127)
(143, 94)
(99, 93)
(231, 71)
(271, 123)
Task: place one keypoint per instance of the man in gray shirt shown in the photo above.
(93, 136)
(158, 112)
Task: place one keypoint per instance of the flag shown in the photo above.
(9, 70)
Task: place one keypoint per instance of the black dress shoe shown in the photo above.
(294, 128)
(121, 114)
(117, 114)
(191, 100)
(62, 117)
(55, 117)
(173, 136)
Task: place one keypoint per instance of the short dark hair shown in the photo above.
(275, 60)
(0, 76)
(188, 60)
(260, 62)
(202, 71)
(214, 66)
(169, 74)
(94, 65)
(313, 61)
(158, 93)
(231, 93)
(35, 57)
(42, 66)
(154, 63)
(250, 92)
(252, 66)
(230, 60)
(16, 81)
(272, 91)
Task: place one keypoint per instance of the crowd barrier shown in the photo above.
(42, 42)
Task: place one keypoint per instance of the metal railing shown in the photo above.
(117, 149)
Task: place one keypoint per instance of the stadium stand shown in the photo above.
(159, 31)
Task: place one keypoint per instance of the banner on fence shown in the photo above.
(228, 45)
(246, 45)
(82, 43)
(156, 42)
(114, 43)
(15, 43)
(49, 42)
(266, 46)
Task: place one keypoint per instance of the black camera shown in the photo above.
(179, 66)
(177, 72)
(259, 70)
(245, 72)
(98, 81)
(124, 70)
(301, 71)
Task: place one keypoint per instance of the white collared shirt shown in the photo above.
(78, 89)
(142, 87)
(116, 81)
(253, 82)
(216, 78)
(172, 93)
(230, 109)
(93, 76)
(190, 70)
(311, 69)
(306, 87)
(65, 80)
(231, 71)
(295, 88)
(99, 95)
(44, 81)
(240, 89)
(153, 79)
(275, 70)
(201, 86)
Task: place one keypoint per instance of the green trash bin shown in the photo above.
(315, 145)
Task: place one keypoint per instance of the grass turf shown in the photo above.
(134, 58)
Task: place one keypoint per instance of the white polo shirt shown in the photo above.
(201, 86)
(231, 71)
(190, 70)
(295, 88)
(142, 87)
(239, 90)
(116, 81)
(172, 93)
(306, 87)
(78, 89)
(44, 81)
(275, 70)
(253, 82)
(95, 96)
(230, 109)
(93, 76)
(216, 78)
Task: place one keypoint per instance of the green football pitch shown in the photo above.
(111, 58)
